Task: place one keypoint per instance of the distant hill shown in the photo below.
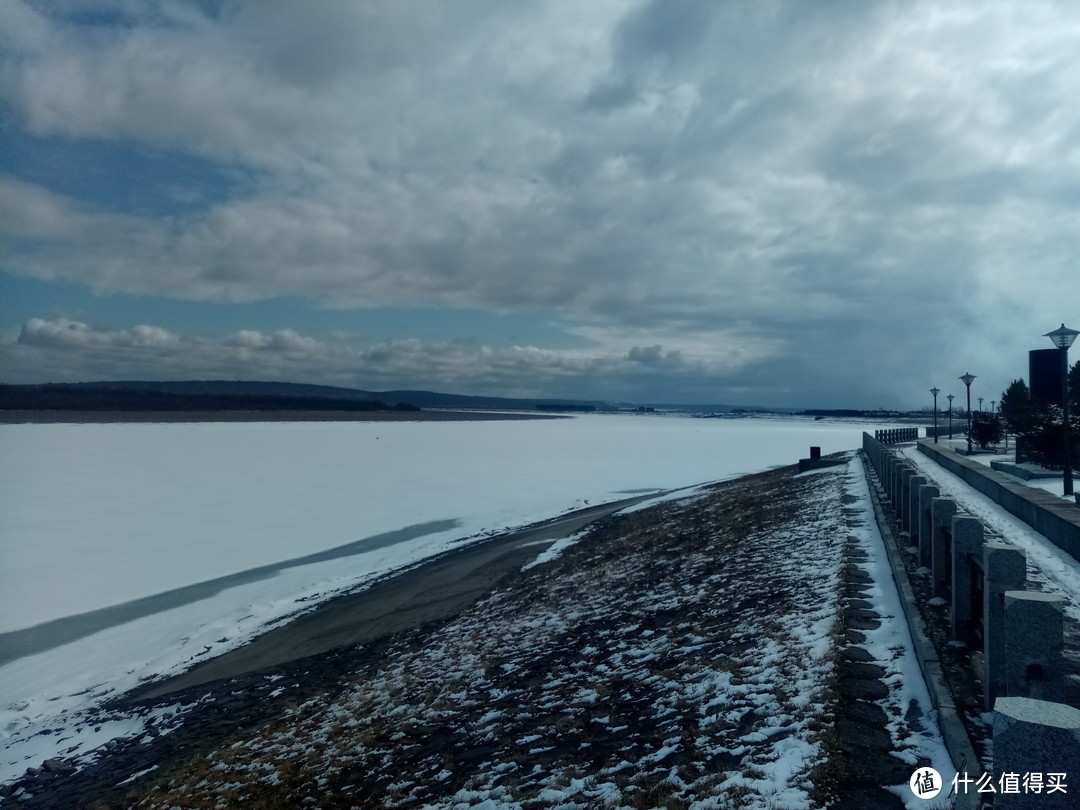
(216, 395)
(211, 388)
(188, 396)
(432, 399)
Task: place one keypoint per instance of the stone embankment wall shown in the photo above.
(1055, 518)
(1016, 636)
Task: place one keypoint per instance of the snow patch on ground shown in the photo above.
(912, 719)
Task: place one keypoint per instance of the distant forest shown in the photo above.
(850, 412)
(166, 397)
(239, 395)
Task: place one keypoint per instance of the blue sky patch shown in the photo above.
(120, 175)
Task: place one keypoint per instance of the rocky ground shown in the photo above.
(701, 652)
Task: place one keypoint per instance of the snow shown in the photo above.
(1053, 484)
(97, 516)
(892, 647)
(155, 507)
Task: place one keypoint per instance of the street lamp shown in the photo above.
(966, 380)
(950, 398)
(980, 404)
(1063, 338)
(935, 392)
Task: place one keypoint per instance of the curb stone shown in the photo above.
(952, 728)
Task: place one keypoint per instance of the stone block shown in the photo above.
(1004, 564)
(1004, 569)
(927, 492)
(890, 474)
(911, 516)
(1036, 737)
(941, 515)
(1034, 646)
(903, 495)
(892, 471)
(967, 540)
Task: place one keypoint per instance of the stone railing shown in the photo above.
(1019, 633)
(896, 435)
(945, 429)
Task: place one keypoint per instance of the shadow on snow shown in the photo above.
(49, 635)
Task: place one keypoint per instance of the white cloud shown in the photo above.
(151, 337)
(282, 340)
(64, 332)
(63, 349)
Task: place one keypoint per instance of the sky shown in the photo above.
(780, 203)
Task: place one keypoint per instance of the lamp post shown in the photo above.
(1063, 338)
(935, 392)
(967, 380)
(980, 404)
(950, 398)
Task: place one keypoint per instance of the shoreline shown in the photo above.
(146, 417)
(434, 589)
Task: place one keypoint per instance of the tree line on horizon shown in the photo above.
(83, 397)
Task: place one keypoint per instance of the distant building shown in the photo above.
(1044, 375)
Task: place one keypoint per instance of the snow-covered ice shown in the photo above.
(96, 515)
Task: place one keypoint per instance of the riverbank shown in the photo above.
(142, 417)
(690, 651)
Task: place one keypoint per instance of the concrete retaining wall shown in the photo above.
(1053, 517)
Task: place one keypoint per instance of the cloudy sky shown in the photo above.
(819, 204)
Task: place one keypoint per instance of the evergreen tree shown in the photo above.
(1037, 425)
(986, 429)
(1017, 408)
(1074, 388)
